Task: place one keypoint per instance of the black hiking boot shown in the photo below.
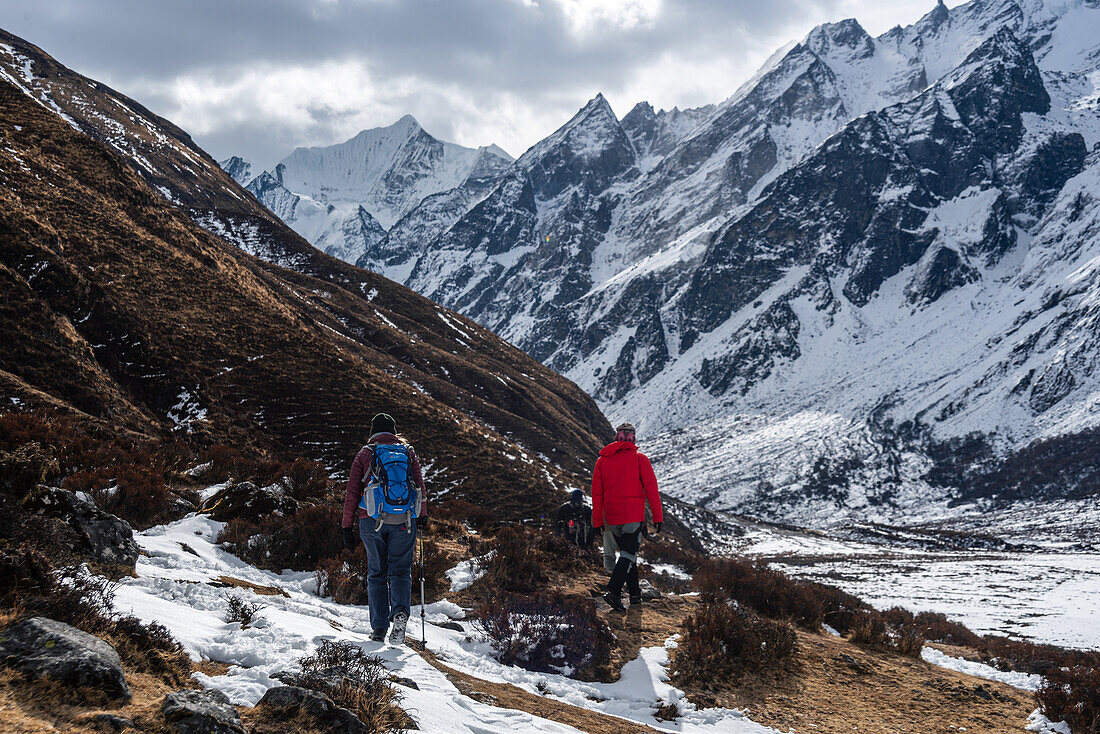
(635, 599)
(378, 635)
(615, 602)
(397, 631)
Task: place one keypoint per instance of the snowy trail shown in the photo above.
(172, 587)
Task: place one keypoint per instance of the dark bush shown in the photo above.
(892, 631)
(776, 595)
(342, 579)
(938, 628)
(548, 632)
(305, 480)
(664, 548)
(136, 494)
(722, 642)
(477, 517)
(30, 586)
(25, 467)
(436, 564)
(240, 610)
(355, 681)
(1029, 657)
(1072, 695)
(520, 560)
(150, 648)
(276, 542)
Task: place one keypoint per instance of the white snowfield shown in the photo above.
(172, 587)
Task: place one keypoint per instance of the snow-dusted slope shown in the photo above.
(873, 249)
(176, 584)
(343, 197)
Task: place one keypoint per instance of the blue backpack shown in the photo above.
(390, 487)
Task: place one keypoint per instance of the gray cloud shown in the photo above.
(259, 77)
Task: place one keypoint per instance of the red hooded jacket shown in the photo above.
(622, 483)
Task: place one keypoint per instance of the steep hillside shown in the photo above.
(117, 305)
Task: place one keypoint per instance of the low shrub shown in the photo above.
(664, 548)
(520, 560)
(240, 610)
(436, 564)
(1030, 657)
(1072, 695)
(305, 480)
(355, 681)
(721, 643)
(938, 628)
(135, 493)
(477, 517)
(343, 580)
(276, 542)
(893, 631)
(150, 648)
(30, 586)
(548, 632)
(776, 595)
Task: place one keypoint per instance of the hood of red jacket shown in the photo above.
(616, 447)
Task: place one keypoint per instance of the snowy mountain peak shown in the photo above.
(846, 34)
(238, 169)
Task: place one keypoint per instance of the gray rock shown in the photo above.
(202, 712)
(116, 723)
(649, 592)
(108, 539)
(44, 648)
(249, 500)
(289, 700)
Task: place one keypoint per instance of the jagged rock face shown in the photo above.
(342, 198)
(817, 242)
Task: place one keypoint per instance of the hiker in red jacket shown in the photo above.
(622, 483)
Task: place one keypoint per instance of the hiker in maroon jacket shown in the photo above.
(622, 484)
(390, 539)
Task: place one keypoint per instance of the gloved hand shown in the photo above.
(422, 523)
(349, 539)
(656, 528)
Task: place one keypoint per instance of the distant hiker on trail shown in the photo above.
(622, 484)
(574, 520)
(386, 494)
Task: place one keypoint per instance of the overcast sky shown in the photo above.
(260, 77)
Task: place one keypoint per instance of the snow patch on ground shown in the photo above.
(1023, 681)
(172, 587)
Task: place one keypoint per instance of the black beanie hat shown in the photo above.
(383, 423)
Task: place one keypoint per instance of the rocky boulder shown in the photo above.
(289, 701)
(44, 648)
(202, 712)
(109, 539)
(248, 500)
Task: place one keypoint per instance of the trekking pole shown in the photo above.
(423, 624)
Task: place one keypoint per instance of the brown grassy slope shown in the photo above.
(540, 409)
(115, 301)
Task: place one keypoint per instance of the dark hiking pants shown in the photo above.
(389, 570)
(628, 537)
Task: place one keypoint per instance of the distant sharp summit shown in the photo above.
(343, 198)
